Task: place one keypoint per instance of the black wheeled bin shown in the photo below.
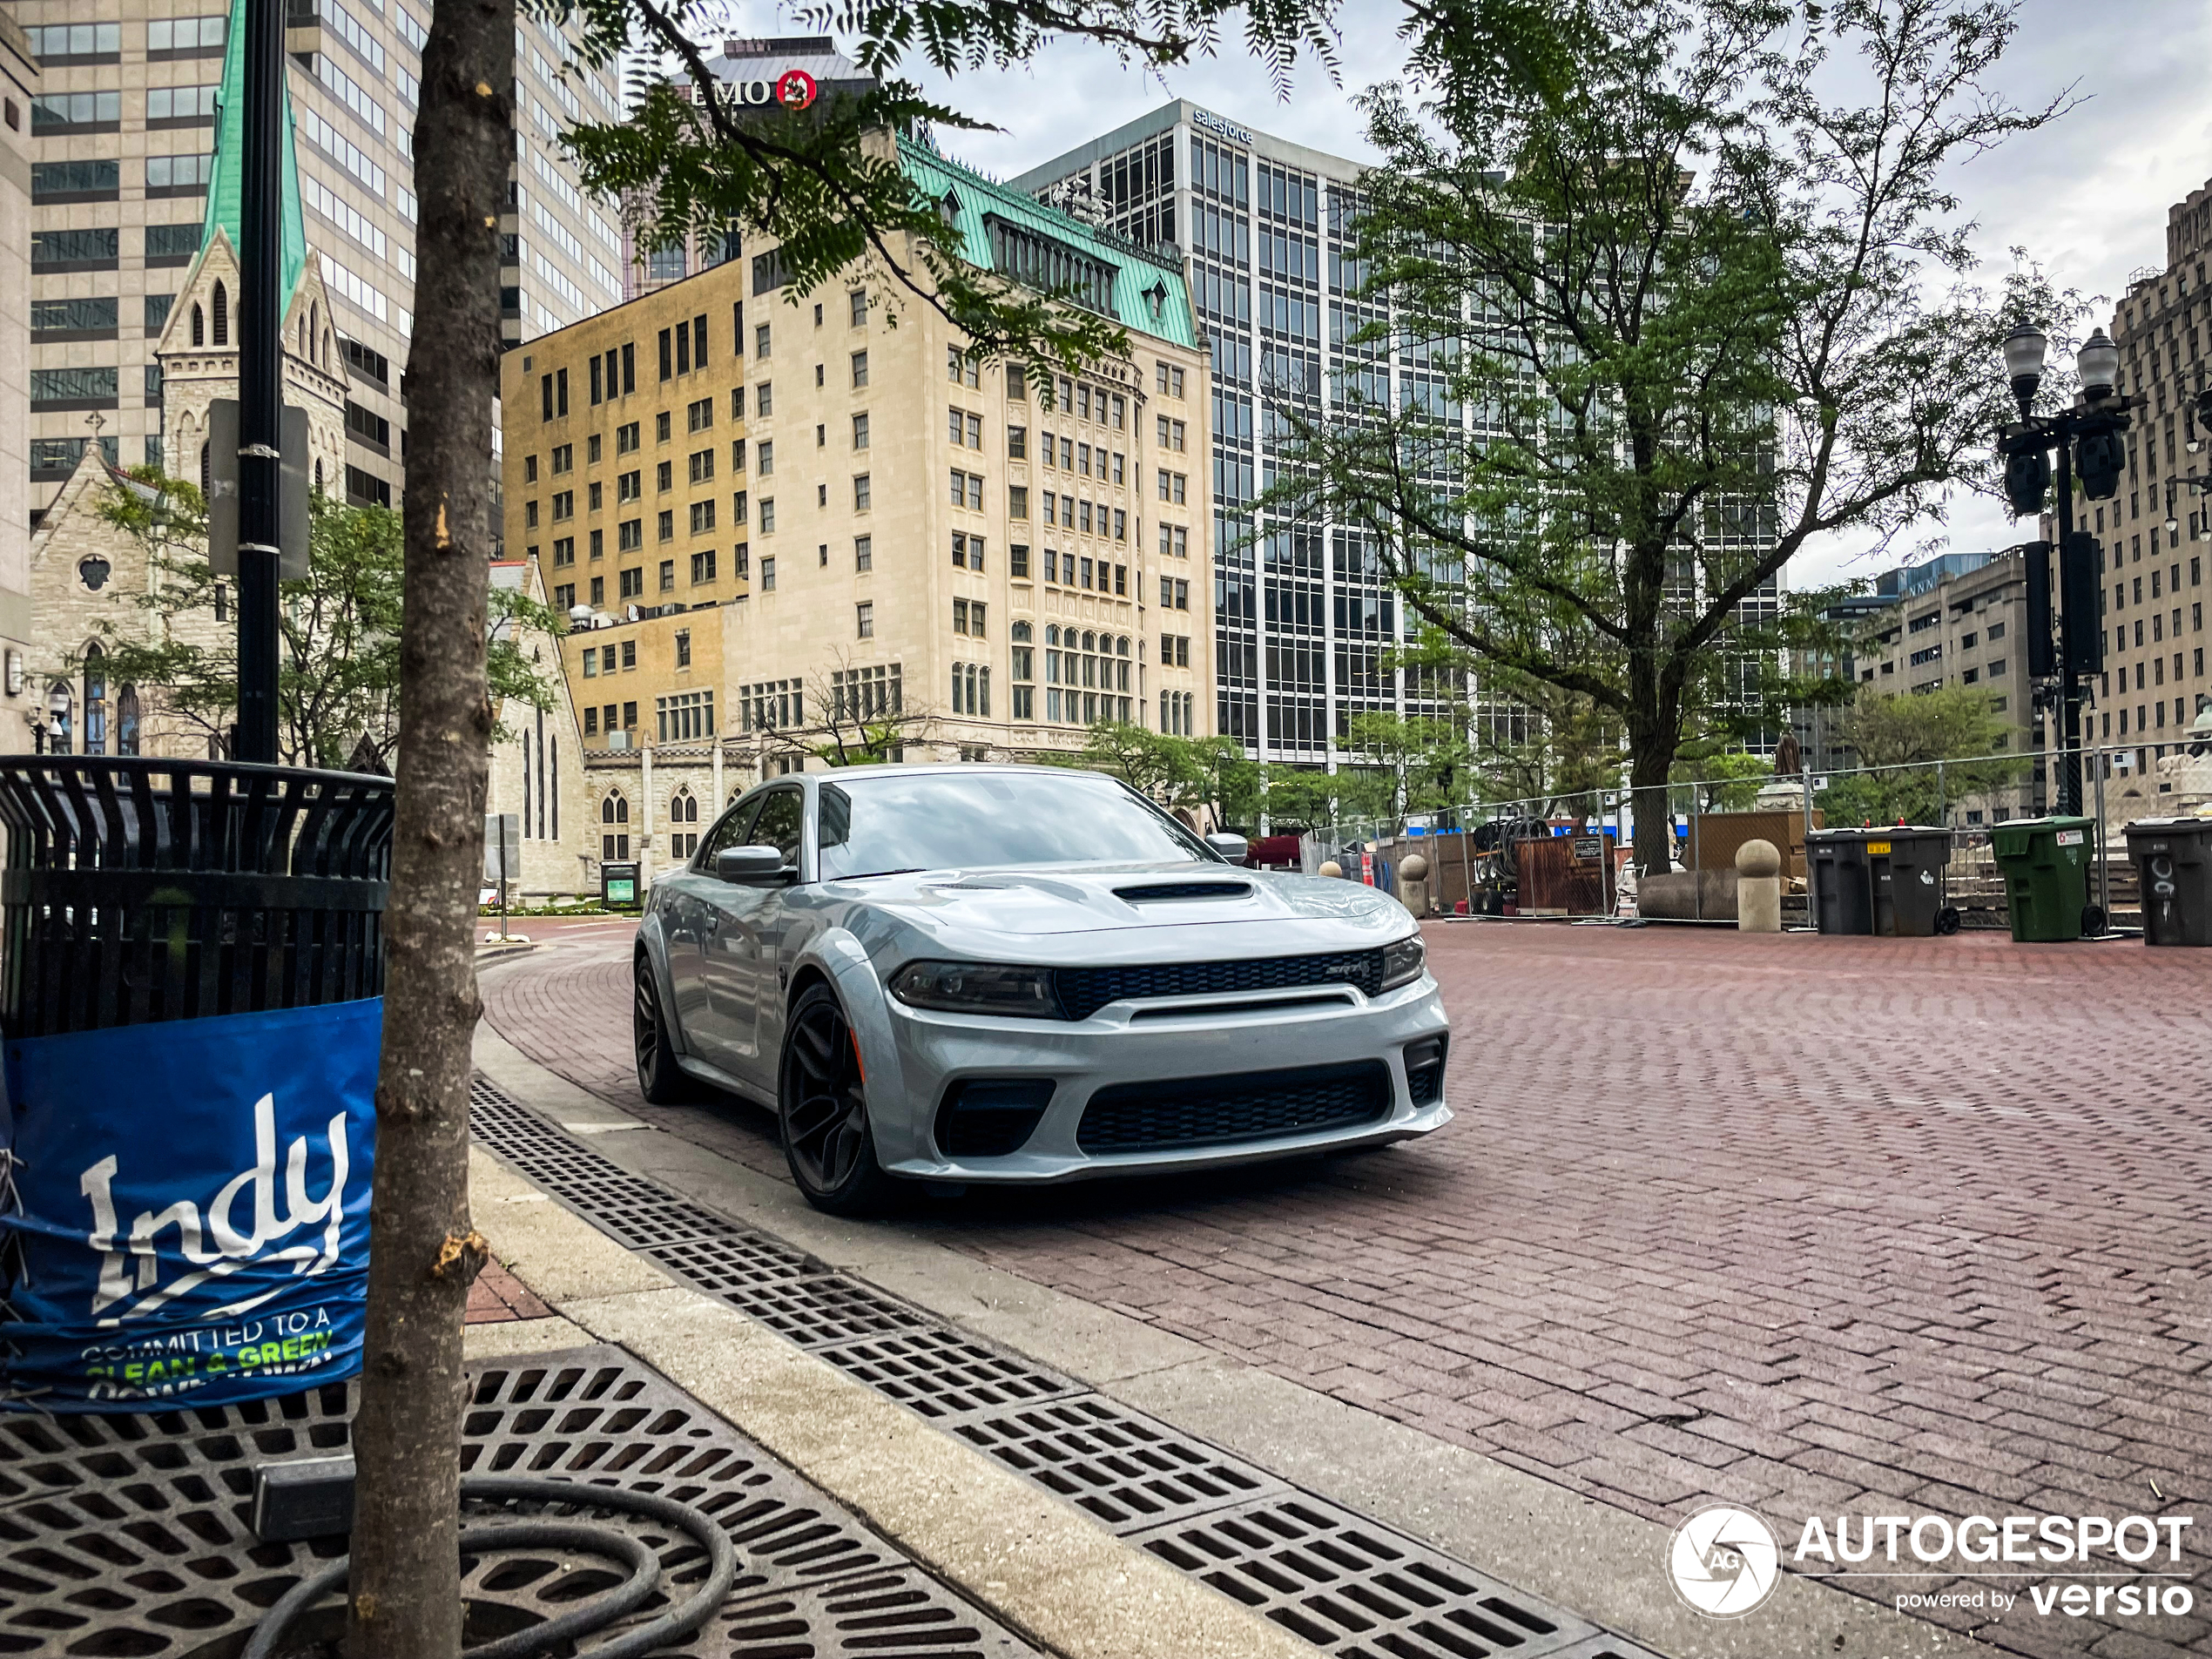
(2173, 861)
(1842, 891)
(1907, 864)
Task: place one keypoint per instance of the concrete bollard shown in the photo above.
(1758, 888)
(1330, 866)
(1412, 883)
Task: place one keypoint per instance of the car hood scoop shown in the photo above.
(1163, 892)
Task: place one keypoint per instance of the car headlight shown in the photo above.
(978, 988)
(1402, 962)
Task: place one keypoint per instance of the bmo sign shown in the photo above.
(794, 90)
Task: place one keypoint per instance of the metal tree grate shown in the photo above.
(1129, 1471)
(127, 1535)
(1352, 1586)
(1357, 1589)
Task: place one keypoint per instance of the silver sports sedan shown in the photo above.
(1024, 974)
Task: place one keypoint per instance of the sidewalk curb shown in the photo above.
(1031, 1558)
(1603, 1562)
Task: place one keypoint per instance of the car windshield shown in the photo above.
(986, 817)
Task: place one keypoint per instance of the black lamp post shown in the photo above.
(2087, 441)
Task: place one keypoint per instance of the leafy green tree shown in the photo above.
(1728, 781)
(1955, 725)
(826, 186)
(1704, 313)
(339, 628)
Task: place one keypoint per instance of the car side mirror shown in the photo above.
(750, 866)
(1235, 848)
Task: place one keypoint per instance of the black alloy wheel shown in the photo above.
(823, 1109)
(660, 1078)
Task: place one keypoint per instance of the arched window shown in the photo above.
(222, 316)
(95, 701)
(682, 821)
(199, 324)
(315, 327)
(614, 825)
(126, 719)
(318, 473)
(299, 335)
(1022, 633)
(206, 478)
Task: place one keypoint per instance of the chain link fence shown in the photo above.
(1572, 855)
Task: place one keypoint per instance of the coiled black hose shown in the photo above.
(678, 1622)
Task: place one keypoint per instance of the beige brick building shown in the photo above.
(19, 82)
(771, 511)
(2156, 678)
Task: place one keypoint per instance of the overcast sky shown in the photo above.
(2087, 196)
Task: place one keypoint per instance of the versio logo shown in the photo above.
(1724, 1562)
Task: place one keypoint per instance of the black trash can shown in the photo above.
(1842, 888)
(1906, 865)
(618, 886)
(192, 1001)
(2173, 859)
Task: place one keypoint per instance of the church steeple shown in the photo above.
(226, 192)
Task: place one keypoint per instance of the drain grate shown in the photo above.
(888, 1616)
(1129, 1471)
(944, 1375)
(1357, 1589)
(128, 1535)
(1352, 1587)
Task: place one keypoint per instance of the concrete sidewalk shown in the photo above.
(1041, 1562)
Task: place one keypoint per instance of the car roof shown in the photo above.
(832, 773)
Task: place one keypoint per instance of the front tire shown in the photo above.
(660, 1077)
(821, 1106)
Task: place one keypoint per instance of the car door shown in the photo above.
(691, 926)
(741, 950)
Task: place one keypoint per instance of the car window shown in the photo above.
(730, 831)
(987, 817)
(782, 815)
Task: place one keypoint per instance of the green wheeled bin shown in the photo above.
(2174, 858)
(2045, 864)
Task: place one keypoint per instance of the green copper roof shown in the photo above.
(1138, 274)
(226, 190)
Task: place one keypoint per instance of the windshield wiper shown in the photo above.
(870, 875)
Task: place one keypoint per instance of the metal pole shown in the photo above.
(260, 387)
(2069, 689)
(2104, 866)
(1466, 877)
(1696, 869)
(1943, 801)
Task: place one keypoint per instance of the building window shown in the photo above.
(702, 568)
(864, 553)
(768, 574)
(633, 583)
(767, 515)
(865, 616)
(1017, 560)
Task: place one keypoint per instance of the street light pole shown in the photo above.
(260, 380)
(2087, 438)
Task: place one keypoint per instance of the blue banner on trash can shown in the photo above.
(188, 1223)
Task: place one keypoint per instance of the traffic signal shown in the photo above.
(2028, 480)
(2099, 457)
(2080, 584)
(2042, 659)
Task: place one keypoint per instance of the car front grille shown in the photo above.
(1249, 1106)
(1083, 991)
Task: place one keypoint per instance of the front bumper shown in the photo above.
(1155, 1041)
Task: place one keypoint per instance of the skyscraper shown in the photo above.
(121, 129)
(1302, 615)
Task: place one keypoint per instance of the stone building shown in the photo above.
(767, 510)
(19, 83)
(1967, 628)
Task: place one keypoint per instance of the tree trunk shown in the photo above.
(405, 1599)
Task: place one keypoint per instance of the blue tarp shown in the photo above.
(190, 1205)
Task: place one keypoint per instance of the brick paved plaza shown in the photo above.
(1824, 1226)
